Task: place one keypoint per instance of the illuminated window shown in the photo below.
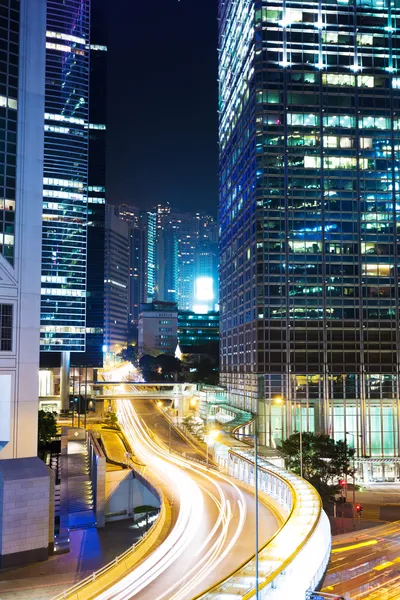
(378, 270)
(374, 123)
(366, 81)
(329, 37)
(365, 39)
(291, 16)
(59, 47)
(66, 37)
(305, 120)
(365, 143)
(10, 102)
(305, 246)
(338, 79)
(338, 121)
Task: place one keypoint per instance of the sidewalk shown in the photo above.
(90, 550)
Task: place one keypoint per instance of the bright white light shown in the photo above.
(200, 309)
(104, 348)
(204, 289)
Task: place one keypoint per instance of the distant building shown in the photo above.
(116, 281)
(197, 329)
(142, 258)
(206, 295)
(158, 328)
(167, 262)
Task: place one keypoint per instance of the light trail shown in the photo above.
(354, 546)
(210, 549)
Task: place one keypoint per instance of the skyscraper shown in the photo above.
(116, 281)
(309, 215)
(97, 184)
(22, 35)
(63, 312)
(142, 257)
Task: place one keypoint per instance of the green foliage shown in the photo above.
(324, 461)
(130, 354)
(47, 427)
(163, 367)
(194, 427)
(112, 420)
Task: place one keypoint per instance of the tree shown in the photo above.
(196, 428)
(112, 420)
(130, 354)
(160, 368)
(324, 461)
(47, 427)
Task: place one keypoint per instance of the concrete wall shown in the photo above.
(124, 492)
(97, 462)
(25, 511)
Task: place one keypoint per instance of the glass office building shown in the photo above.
(63, 307)
(309, 215)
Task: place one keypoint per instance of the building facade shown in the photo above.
(206, 295)
(197, 329)
(116, 282)
(142, 258)
(64, 257)
(309, 216)
(97, 184)
(158, 328)
(22, 34)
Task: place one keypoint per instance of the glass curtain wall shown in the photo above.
(63, 311)
(309, 215)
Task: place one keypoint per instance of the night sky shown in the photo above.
(162, 103)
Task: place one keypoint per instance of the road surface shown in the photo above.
(366, 564)
(213, 520)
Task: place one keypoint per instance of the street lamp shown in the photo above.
(161, 406)
(254, 436)
(212, 435)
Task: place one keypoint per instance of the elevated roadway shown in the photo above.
(212, 528)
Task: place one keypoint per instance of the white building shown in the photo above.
(22, 110)
(158, 328)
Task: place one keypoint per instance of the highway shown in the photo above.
(213, 527)
(366, 564)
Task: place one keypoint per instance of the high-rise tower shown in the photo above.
(22, 34)
(310, 214)
(63, 315)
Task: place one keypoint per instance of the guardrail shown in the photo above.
(101, 579)
(294, 561)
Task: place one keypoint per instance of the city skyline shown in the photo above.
(193, 406)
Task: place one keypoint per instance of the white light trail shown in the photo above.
(210, 549)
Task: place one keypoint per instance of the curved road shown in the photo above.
(213, 520)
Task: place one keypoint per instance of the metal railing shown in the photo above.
(72, 591)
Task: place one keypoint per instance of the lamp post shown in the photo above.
(212, 434)
(161, 406)
(255, 437)
(353, 474)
